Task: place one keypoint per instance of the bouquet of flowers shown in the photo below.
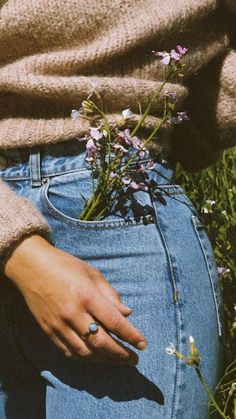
(116, 157)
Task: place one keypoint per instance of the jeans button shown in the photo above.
(3, 163)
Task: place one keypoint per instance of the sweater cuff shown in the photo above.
(19, 218)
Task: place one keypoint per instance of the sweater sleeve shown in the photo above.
(211, 105)
(231, 5)
(18, 219)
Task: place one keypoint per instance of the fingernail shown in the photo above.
(142, 344)
(127, 308)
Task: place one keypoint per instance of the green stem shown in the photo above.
(227, 372)
(156, 129)
(227, 185)
(89, 207)
(142, 119)
(93, 186)
(90, 211)
(226, 403)
(208, 391)
(93, 203)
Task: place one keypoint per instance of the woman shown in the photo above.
(88, 307)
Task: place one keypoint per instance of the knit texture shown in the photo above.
(52, 53)
(18, 218)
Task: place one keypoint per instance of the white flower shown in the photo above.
(222, 271)
(191, 340)
(205, 210)
(126, 113)
(170, 350)
(75, 114)
(210, 202)
(232, 389)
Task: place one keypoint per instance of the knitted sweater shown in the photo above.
(53, 52)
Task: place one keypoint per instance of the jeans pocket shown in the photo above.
(210, 261)
(64, 195)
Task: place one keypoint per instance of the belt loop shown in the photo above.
(35, 170)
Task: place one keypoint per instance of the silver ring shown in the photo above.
(93, 328)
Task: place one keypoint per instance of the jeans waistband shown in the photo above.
(42, 161)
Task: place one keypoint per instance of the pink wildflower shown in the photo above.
(91, 150)
(95, 134)
(138, 186)
(167, 57)
(175, 55)
(136, 143)
(126, 180)
(179, 118)
(125, 135)
(120, 147)
(113, 175)
(181, 50)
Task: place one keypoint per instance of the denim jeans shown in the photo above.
(157, 255)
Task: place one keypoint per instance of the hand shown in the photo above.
(65, 294)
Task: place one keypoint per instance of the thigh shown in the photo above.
(165, 271)
(22, 389)
(163, 267)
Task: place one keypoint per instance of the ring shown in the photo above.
(93, 328)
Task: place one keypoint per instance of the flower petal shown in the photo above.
(96, 134)
(126, 113)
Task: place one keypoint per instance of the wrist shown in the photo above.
(21, 255)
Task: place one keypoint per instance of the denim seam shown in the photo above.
(177, 317)
(206, 258)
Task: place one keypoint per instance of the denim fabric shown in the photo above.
(157, 255)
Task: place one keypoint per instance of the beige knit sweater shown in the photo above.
(52, 52)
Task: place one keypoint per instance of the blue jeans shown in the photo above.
(157, 256)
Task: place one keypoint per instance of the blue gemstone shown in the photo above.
(93, 327)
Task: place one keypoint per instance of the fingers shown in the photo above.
(67, 352)
(103, 310)
(96, 349)
(101, 343)
(76, 346)
(108, 291)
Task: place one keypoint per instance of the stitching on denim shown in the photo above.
(196, 226)
(95, 225)
(177, 312)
